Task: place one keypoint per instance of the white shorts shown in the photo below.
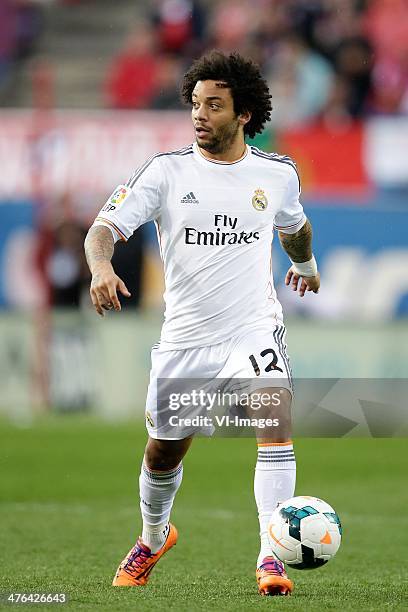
(257, 357)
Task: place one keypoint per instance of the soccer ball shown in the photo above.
(304, 532)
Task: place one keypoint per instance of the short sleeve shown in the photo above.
(135, 203)
(290, 216)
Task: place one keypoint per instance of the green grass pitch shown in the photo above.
(69, 512)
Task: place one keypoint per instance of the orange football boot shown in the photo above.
(272, 578)
(136, 566)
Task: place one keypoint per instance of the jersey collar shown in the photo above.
(205, 160)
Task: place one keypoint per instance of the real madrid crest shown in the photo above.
(259, 201)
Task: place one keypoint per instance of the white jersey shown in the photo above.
(215, 224)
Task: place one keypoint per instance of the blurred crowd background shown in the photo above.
(90, 88)
(329, 60)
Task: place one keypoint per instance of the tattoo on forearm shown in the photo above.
(298, 246)
(99, 245)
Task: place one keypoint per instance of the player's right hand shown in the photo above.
(104, 287)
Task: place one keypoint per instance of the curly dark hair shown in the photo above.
(249, 89)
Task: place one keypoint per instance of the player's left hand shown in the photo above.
(307, 283)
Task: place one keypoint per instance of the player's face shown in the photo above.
(215, 122)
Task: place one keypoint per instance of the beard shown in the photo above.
(222, 139)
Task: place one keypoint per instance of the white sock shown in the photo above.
(275, 478)
(157, 493)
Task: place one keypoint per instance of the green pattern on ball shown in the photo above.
(293, 516)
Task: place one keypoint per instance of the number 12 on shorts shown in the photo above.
(272, 365)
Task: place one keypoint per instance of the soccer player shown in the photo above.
(215, 204)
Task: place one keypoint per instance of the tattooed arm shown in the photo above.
(299, 248)
(105, 283)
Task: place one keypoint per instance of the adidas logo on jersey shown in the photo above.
(189, 198)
